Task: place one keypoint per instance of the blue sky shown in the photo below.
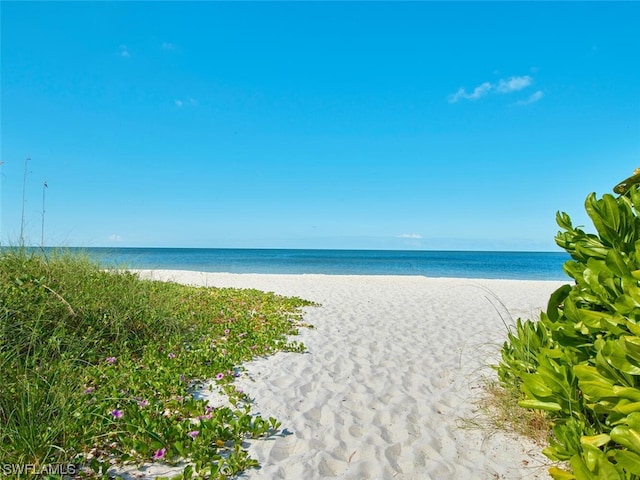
(418, 125)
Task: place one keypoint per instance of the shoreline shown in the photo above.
(393, 364)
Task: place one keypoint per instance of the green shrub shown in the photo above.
(580, 363)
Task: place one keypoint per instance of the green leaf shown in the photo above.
(536, 385)
(634, 195)
(580, 469)
(592, 383)
(557, 298)
(598, 465)
(633, 420)
(595, 320)
(627, 437)
(179, 447)
(558, 474)
(627, 408)
(617, 263)
(564, 221)
(632, 345)
(605, 216)
(616, 354)
(628, 301)
(595, 440)
(591, 247)
(630, 461)
(632, 326)
(540, 405)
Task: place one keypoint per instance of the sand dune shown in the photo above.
(393, 365)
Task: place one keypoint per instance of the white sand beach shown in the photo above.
(392, 366)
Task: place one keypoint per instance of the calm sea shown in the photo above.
(505, 265)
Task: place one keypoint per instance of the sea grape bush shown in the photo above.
(581, 361)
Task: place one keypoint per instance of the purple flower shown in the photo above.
(111, 360)
(159, 454)
(143, 403)
(183, 378)
(208, 409)
(220, 376)
(171, 355)
(116, 413)
(194, 434)
(89, 390)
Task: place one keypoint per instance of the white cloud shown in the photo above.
(534, 97)
(457, 96)
(410, 235)
(115, 238)
(508, 85)
(191, 102)
(513, 84)
(479, 91)
(124, 51)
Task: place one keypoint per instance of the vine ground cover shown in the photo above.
(100, 367)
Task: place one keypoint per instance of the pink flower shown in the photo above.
(116, 413)
(159, 454)
(143, 403)
(111, 360)
(226, 331)
(194, 434)
(220, 376)
(171, 355)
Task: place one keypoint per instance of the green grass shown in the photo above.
(100, 365)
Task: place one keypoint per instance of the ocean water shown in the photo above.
(456, 264)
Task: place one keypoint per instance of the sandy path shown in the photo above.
(392, 365)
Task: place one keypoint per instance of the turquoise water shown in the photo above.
(505, 265)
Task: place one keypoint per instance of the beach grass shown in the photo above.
(100, 366)
(499, 410)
